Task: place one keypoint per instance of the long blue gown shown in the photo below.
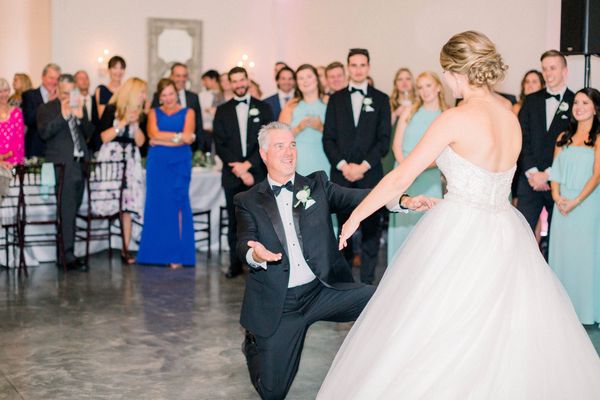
(168, 173)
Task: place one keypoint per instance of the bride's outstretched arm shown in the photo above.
(439, 135)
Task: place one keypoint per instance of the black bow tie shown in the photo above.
(355, 89)
(245, 101)
(277, 189)
(549, 95)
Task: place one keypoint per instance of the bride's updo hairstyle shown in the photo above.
(474, 55)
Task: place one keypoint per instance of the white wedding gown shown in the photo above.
(468, 309)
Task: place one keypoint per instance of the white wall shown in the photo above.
(398, 33)
(25, 43)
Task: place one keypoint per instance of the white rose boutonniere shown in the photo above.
(367, 104)
(303, 197)
(253, 112)
(563, 106)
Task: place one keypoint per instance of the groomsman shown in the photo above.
(286, 83)
(544, 115)
(356, 136)
(189, 99)
(32, 100)
(235, 129)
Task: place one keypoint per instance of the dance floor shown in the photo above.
(119, 332)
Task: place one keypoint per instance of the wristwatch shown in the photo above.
(177, 138)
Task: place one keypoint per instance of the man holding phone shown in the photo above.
(66, 129)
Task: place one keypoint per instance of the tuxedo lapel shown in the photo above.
(235, 126)
(299, 183)
(559, 114)
(362, 118)
(270, 205)
(347, 100)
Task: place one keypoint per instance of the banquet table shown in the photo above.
(206, 193)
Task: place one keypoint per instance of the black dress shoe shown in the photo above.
(78, 263)
(232, 273)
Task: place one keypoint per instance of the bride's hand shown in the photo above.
(421, 203)
(348, 230)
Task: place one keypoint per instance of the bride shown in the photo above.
(468, 309)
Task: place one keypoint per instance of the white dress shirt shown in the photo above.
(284, 97)
(357, 102)
(300, 272)
(87, 102)
(241, 110)
(45, 94)
(182, 99)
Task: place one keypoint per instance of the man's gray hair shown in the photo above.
(4, 84)
(66, 78)
(51, 66)
(263, 134)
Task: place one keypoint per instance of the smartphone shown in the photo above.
(75, 98)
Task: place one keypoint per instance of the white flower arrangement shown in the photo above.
(304, 198)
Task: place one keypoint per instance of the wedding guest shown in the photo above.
(533, 81)
(225, 87)
(323, 78)
(32, 100)
(255, 90)
(355, 142)
(236, 127)
(21, 84)
(335, 73)
(544, 115)
(286, 84)
(187, 99)
(82, 83)
(412, 125)
(116, 71)
(168, 232)
(122, 137)
(65, 129)
(12, 128)
(402, 97)
(277, 67)
(574, 244)
(306, 115)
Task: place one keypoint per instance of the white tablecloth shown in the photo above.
(206, 193)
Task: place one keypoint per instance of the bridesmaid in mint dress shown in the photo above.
(306, 114)
(411, 127)
(574, 250)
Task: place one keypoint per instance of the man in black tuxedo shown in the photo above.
(186, 98)
(65, 129)
(90, 108)
(235, 129)
(32, 100)
(286, 83)
(356, 136)
(544, 115)
(298, 276)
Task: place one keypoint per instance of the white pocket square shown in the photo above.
(309, 203)
(369, 109)
(564, 117)
(256, 119)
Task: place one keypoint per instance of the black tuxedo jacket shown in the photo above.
(539, 143)
(32, 100)
(228, 143)
(273, 101)
(192, 101)
(55, 132)
(258, 219)
(369, 141)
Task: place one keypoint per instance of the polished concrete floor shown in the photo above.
(119, 332)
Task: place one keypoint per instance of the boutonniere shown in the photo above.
(563, 106)
(367, 104)
(303, 197)
(253, 112)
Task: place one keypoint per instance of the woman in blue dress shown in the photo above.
(168, 232)
(574, 251)
(411, 127)
(306, 115)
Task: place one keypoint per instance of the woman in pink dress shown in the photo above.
(12, 128)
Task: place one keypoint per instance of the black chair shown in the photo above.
(9, 210)
(202, 228)
(105, 181)
(223, 225)
(33, 212)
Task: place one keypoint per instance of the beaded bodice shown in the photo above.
(471, 184)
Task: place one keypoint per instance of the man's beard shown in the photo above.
(241, 92)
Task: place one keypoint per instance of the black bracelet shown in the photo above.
(400, 201)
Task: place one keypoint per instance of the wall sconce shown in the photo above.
(102, 68)
(246, 62)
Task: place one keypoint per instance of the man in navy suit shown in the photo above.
(356, 136)
(32, 100)
(544, 115)
(286, 83)
(235, 129)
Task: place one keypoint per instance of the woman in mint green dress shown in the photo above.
(574, 250)
(411, 127)
(306, 115)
